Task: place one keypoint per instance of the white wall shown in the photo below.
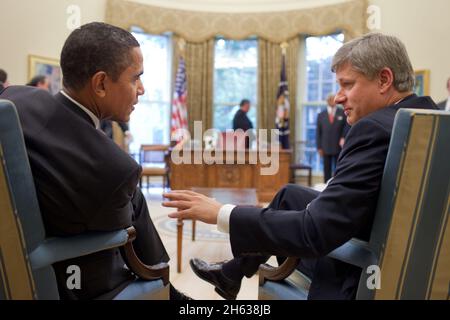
(424, 27)
(38, 28)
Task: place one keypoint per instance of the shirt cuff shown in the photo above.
(223, 218)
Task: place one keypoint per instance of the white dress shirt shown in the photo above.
(331, 111)
(447, 106)
(94, 118)
(223, 219)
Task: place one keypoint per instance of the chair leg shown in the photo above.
(292, 177)
(193, 229)
(168, 182)
(179, 243)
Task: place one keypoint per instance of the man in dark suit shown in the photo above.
(330, 134)
(376, 79)
(3, 79)
(241, 121)
(445, 105)
(41, 82)
(84, 181)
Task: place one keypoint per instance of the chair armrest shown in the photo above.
(55, 249)
(355, 252)
(143, 271)
(59, 249)
(267, 272)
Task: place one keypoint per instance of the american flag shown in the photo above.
(179, 107)
(282, 118)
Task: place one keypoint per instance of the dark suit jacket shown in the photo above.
(241, 121)
(84, 182)
(328, 134)
(441, 105)
(345, 209)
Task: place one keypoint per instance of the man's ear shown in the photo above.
(98, 84)
(386, 79)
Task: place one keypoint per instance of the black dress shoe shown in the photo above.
(213, 274)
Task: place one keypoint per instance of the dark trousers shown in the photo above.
(329, 165)
(291, 197)
(148, 245)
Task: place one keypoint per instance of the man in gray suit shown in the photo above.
(445, 105)
(331, 130)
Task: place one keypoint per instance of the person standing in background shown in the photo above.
(41, 82)
(445, 105)
(330, 134)
(106, 126)
(3, 80)
(241, 121)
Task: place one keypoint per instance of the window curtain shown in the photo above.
(196, 26)
(269, 72)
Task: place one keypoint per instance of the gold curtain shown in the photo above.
(199, 59)
(269, 67)
(269, 72)
(196, 26)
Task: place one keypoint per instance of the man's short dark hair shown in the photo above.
(3, 76)
(36, 80)
(244, 102)
(95, 47)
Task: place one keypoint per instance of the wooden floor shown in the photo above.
(211, 251)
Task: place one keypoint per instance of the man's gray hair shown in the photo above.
(371, 53)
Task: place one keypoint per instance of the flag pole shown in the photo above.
(283, 106)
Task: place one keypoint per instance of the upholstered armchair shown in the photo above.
(27, 255)
(408, 254)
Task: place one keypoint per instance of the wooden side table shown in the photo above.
(240, 197)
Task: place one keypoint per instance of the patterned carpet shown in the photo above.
(203, 231)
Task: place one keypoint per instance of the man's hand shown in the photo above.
(192, 205)
(341, 142)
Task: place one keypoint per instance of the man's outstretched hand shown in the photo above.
(192, 205)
